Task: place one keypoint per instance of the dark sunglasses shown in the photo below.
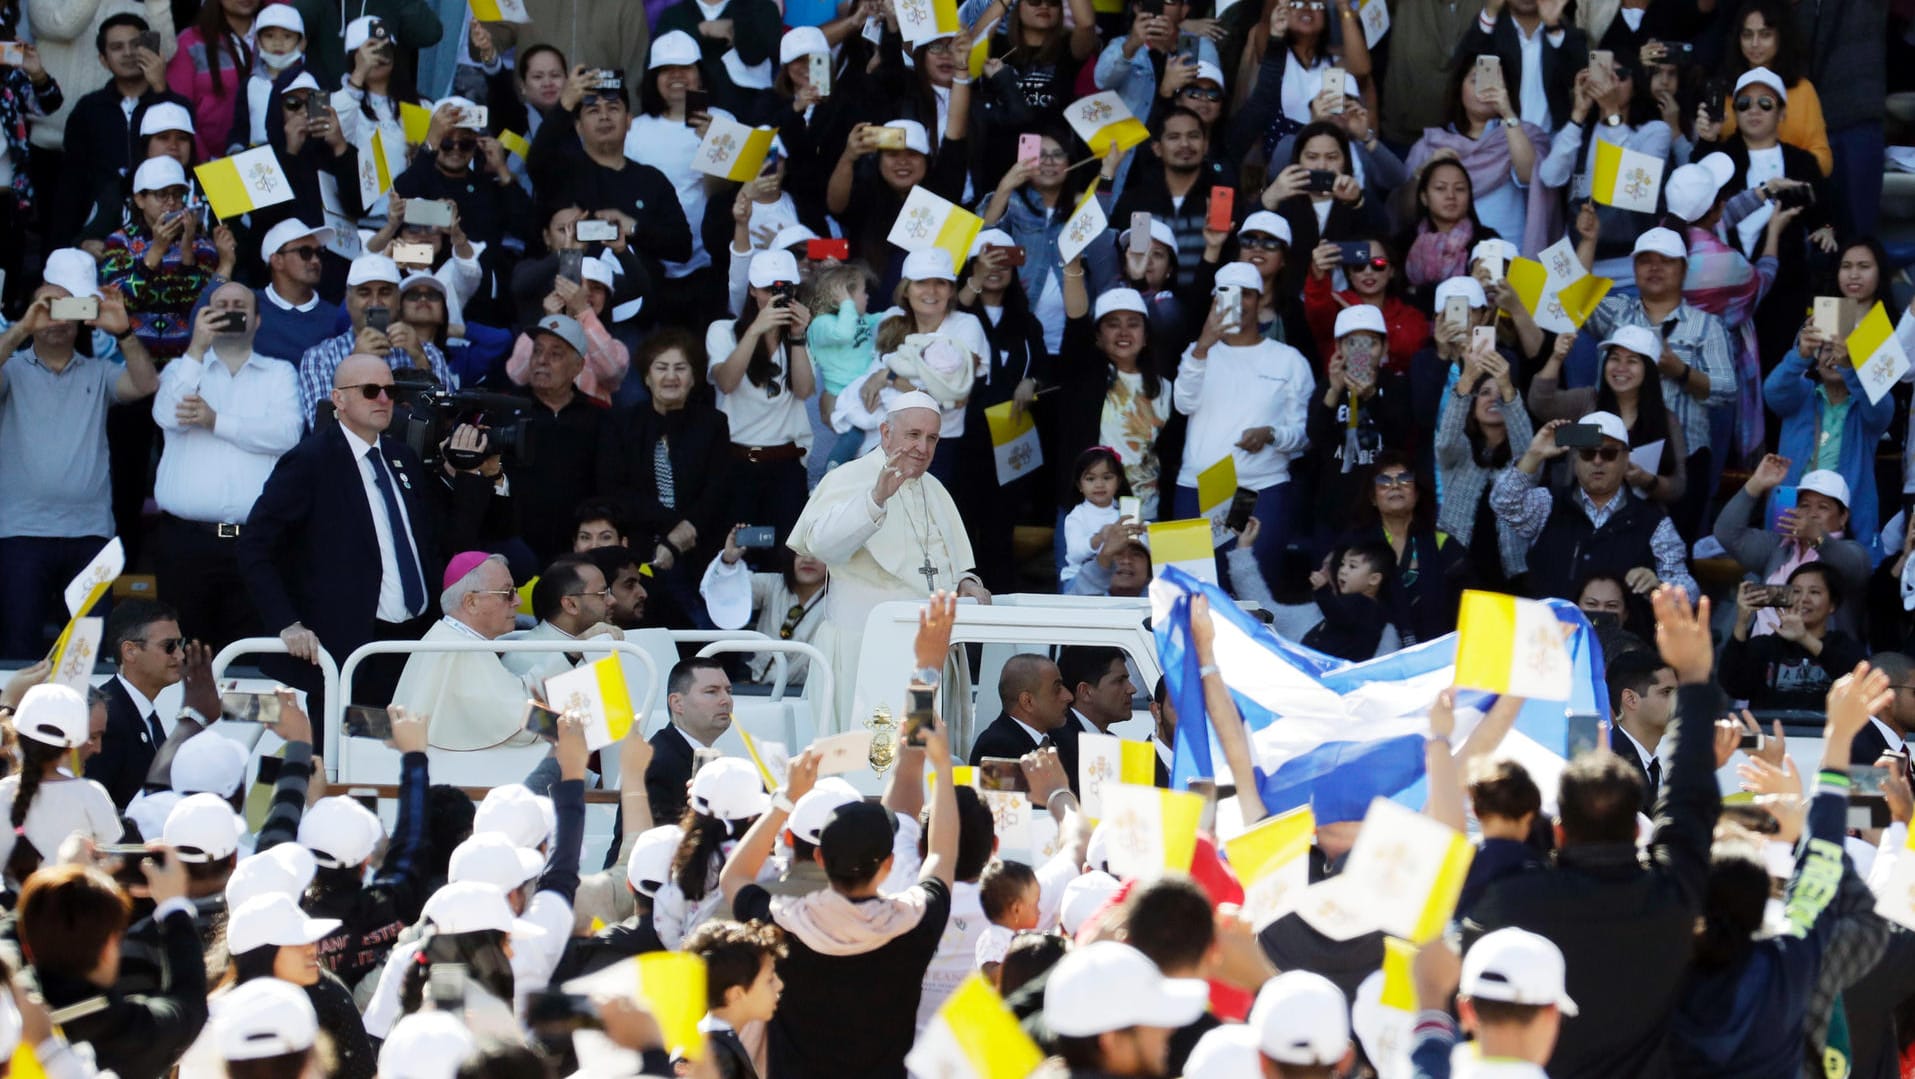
(461, 145)
(292, 104)
(1395, 479)
(1606, 454)
(371, 391)
(1260, 241)
(1044, 3)
(304, 251)
(1202, 93)
(1377, 264)
(169, 645)
(1745, 103)
(792, 617)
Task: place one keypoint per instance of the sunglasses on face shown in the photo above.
(1257, 241)
(371, 391)
(1605, 454)
(1202, 93)
(464, 146)
(1745, 103)
(1395, 479)
(1377, 265)
(169, 645)
(1045, 3)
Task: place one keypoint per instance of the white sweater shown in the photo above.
(64, 30)
(1236, 388)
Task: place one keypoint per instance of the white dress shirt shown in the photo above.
(392, 595)
(148, 712)
(215, 475)
(1535, 100)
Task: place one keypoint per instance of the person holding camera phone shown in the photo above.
(161, 259)
(463, 163)
(788, 601)
(372, 300)
(1816, 529)
(228, 413)
(1794, 666)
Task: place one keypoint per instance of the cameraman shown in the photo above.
(71, 920)
(372, 301)
(473, 499)
(563, 428)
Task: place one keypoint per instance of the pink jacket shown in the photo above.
(190, 75)
(606, 360)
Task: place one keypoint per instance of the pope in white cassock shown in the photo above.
(889, 531)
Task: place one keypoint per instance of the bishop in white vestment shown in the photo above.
(889, 531)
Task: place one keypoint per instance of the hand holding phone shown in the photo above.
(1222, 211)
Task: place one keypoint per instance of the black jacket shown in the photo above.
(126, 751)
(565, 175)
(1569, 548)
(1625, 921)
(730, 1056)
(1560, 63)
(698, 439)
(1003, 738)
(373, 915)
(140, 1035)
(667, 775)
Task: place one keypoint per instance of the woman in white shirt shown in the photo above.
(46, 801)
(789, 602)
(727, 795)
(926, 304)
(762, 371)
(370, 100)
(666, 137)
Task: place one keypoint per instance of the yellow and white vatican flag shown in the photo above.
(1186, 545)
(91, 583)
(974, 1036)
(1151, 830)
(1626, 179)
(1558, 292)
(1407, 870)
(927, 220)
(597, 692)
(1105, 760)
(1102, 119)
(920, 21)
(1878, 356)
(1272, 859)
(500, 11)
(670, 985)
(1510, 645)
(732, 151)
(1014, 441)
(244, 182)
(79, 650)
(1085, 224)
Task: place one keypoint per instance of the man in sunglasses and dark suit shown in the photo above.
(143, 637)
(1598, 525)
(339, 548)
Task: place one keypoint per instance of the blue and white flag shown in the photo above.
(1333, 734)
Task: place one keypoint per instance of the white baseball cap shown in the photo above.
(285, 869)
(1110, 986)
(1661, 241)
(1097, 851)
(1270, 224)
(1301, 1018)
(491, 858)
(274, 920)
(426, 1045)
(290, 229)
(1241, 274)
(1515, 966)
(791, 236)
(1762, 76)
(1119, 299)
(1159, 234)
(930, 264)
(809, 813)
(801, 41)
(1361, 318)
(1227, 1052)
(1611, 425)
(359, 31)
(991, 238)
(419, 277)
(771, 266)
(1640, 340)
(263, 1018)
(370, 267)
(471, 907)
(158, 174)
(675, 49)
(1493, 246)
(602, 269)
(729, 789)
(73, 269)
(148, 810)
(1826, 483)
(166, 116)
(282, 16)
(302, 81)
(53, 715)
(514, 811)
(1467, 287)
(652, 853)
(1692, 189)
(1210, 71)
(340, 832)
(914, 136)
(211, 764)
(1084, 896)
(203, 828)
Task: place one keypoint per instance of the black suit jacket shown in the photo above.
(1620, 745)
(1560, 63)
(308, 552)
(1003, 738)
(126, 751)
(666, 776)
(730, 1056)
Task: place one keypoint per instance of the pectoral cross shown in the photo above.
(930, 573)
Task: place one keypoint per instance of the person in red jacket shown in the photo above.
(1373, 281)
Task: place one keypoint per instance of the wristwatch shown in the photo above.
(781, 801)
(929, 676)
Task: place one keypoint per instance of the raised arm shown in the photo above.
(941, 847)
(1687, 807)
(1225, 720)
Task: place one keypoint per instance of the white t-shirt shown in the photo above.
(956, 957)
(1081, 526)
(758, 416)
(1238, 387)
(669, 146)
(60, 808)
